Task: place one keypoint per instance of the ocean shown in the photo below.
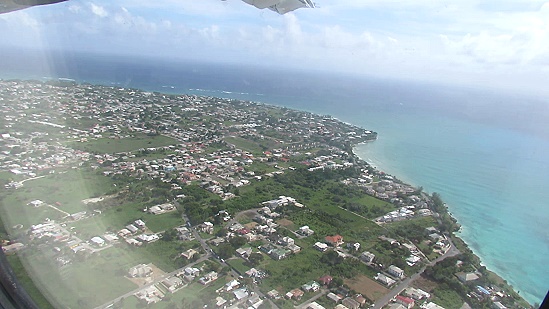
(485, 152)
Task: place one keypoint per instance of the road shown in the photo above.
(33, 178)
(380, 303)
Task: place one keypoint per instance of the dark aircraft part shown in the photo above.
(12, 294)
(14, 5)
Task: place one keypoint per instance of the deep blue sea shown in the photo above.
(485, 152)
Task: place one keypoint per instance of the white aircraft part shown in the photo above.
(281, 6)
(262, 4)
(286, 6)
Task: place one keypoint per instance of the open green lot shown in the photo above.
(239, 265)
(294, 271)
(447, 298)
(116, 145)
(246, 145)
(81, 284)
(64, 190)
(92, 281)
(117, 218)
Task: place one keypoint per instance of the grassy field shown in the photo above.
(81, 284)
(100, 278)
(115, 219)
(294, 271)
(63, 190)
(447, 298)
(245, 144)
(370, 202)
(109, 145)
(239, 265)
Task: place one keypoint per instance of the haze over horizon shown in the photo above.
(484, 44)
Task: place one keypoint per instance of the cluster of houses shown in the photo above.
(387, 188)
(264, 228)
(160, 209)
(234, 293)
(156, 292)
(327, 162)
(411, 297)
(340, 298)
(135, 234)
(440, 241)
(482, 292)
(113, 112)
(171, 284)
(394, 271)
(346, 301)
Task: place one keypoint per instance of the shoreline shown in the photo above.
(353, 147)
(457, 234)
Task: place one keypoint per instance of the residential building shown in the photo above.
(140, 271)
(431, 305)
(416, 294)
(244, 252)
(305, 231)
(333, 297)
(405, 301)
(315, 305)
(273, 294)
(312, 286)
(320, 246)
(467, 277)
(384, 279)
(172, 284)
(367, 257)
(325, 280)
(335, 241)
(295, 294)
(498, 305)
(360, 299)
(395, 271)
(350, 303)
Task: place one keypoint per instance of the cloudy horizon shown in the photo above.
(475, 43)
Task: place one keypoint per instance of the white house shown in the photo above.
(395, 271)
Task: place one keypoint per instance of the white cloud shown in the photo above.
(75, 8)
(98, 10)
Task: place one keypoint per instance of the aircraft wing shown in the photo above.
(281, 6)
(14, 5)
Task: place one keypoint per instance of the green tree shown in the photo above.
(336, 282)
(225, 251)
(255, 258)
(237, 242)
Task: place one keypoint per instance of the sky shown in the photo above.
(482, 43)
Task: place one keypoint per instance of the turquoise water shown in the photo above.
(494, 180)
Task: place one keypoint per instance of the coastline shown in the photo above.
(455, 235)
(379, 168)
